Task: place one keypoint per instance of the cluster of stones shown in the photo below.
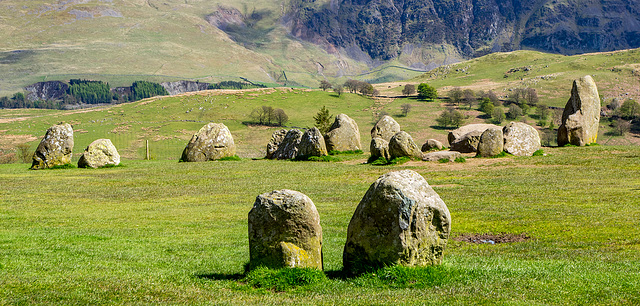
(517, 138)
(56, 149)
(343, 135)
(400, 220)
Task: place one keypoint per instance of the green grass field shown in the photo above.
(176, 233)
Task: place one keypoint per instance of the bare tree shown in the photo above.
(409, 89)
(280, 117)
(455, 95)
(406, 108)
(338, 89)
(469, 97)
(324, 85)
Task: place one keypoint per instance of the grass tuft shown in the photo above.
(231, 158)
(349, 152)
(501, 155)
(540, 152)
(460, 159)
(443, 160)
(282, 280)
(65, 166)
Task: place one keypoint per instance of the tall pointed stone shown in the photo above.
(581, 115)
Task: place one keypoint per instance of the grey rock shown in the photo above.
(55, 149)
(436, 156)
(312, 143)
(288, 148)
(344, 135)
(401, 144)
(276, 138)
(385, 128)
(213, 141)
(98, 154)
(432, 144)
(466, 138)
(581, 115)
(178, 87)
(379, 148)
(491, 142)
(521, 139)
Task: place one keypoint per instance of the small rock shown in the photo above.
(436, 156)
(521, 139)
(98, 154)
(466, 138)
(379, 148)
(491, 142)
(213, 141)
(432, 144)
(401, 144)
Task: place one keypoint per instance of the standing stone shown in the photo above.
(276, 138)
(343, 135)
(432, 144)
(400, 220)
(491, 142)
(401, 144)
(55, 149)
(385, 128)
(98, 154)
(312, 143)
(213, 141)
(465, 139)
(521, 139)
(379, 148)
(288, 148)
(284, 231)
(581, 115)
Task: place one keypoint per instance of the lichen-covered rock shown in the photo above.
(312, 143)
(432, 144)
(379, 148)
(288, 147)
(581, 115)
(521, 139)
(385, 128)
(401, 144)
(436, 156)
(276, 138)
(465, 139)
(344, 135)
(284, 231)
(213, 141)
(55, 149)
(400, 220)
(98, 154)
(491, 142)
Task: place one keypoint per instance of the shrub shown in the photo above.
(486, 106)
(427, 92)
(8, 158)
(23, 152)
(443, 160)
(629, 109)
(460, 159)
(621, 127)
(323, 120)
(514, 112)
(497, 116)
(450, 117)
(379, 161)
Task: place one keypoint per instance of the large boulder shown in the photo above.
(288, 147)
(284, 231)
(385, 128)
(432, 144)
(98, 154)
(55, 149)
(312, 143)
(344, 135)
(276, 138)
(581, 115)
(401, 144)
(379, 148)
(400, 220)
(213, 141)
(438, 155)
(491, 142)
(521, 139)
(465, 139)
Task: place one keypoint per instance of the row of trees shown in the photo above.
(267, 115)
(90, 92)
(19, 101)
(353, 86)
(143, 89)
(235, 85)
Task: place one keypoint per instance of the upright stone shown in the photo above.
(98, 154)
(385, 128)
(288, 148)
(400, 220)
(284, 231)
(213, 141)
(276, 138)
(379, 148)
(401, 144)
(55, 149)
(312, 143)
(521, 139)
(343, 135)
(581, 115)
(465, 139)
(491, 142)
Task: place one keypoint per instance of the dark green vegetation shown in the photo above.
(163, 231)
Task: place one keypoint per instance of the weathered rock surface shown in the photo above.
(312, 143)
(276, 138)
(379, 148)
(521, 139)
(213, 141)
(401, 144)
(491, 142)
(344, 135)
(288, 148)
(581, 115)
(98, 154)
(55, 149)
(466, 138)
(400, 220)
(284, 231)
(45, 91)
(385, 128)
(436, 156)
(432, 144)
(178, 87)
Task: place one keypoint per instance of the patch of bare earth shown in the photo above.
(492, 238)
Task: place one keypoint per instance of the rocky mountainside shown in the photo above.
(388, 29)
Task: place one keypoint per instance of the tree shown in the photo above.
(24, 153)
(498, 115)
(469, 97)
(621, 127)
(450, 117)
(543, 112)
(269, 114)
(324, 85)
(487, 106)
(426, 91)
(491, 95)
(257, 114)
(514, 111)
(323, 120)
(280, 117)
(366, 89)
(352, 85)
(406, 108)
(517, 95)
(455, 95)
(629, 109)
(409, 89)
(338, 89)
(531, 96)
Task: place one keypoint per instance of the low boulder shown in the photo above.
(98, 154)
(581, 115)
(285, 231)
(385, 128)
(521, 139)
(288, 147)
(312, 143)
(436, 156)
(344, 135)
(55, 149)
(401, 144)
(276, 138)
(491, 142)
(213, 141)
(379, 148)
(466, 138)
(432, 144)
(400, 220)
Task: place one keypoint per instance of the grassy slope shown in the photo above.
(162, 231)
